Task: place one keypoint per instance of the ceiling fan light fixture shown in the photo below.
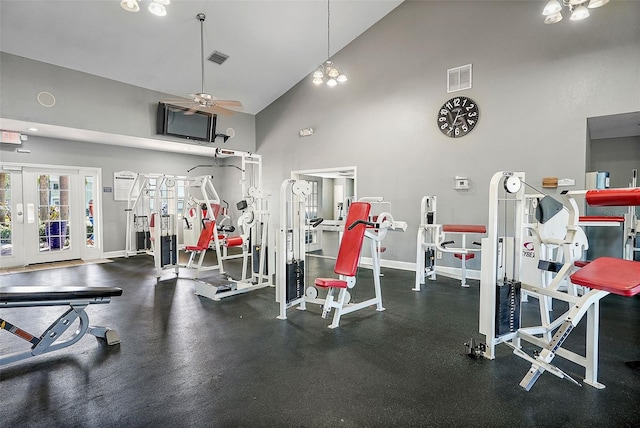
(157, 8)
(317, 80)
(333, 72)
(577, 2)
(130, 5)
(318, 74)
(597, 3)
(332, 82)
(551, 8)
(342, 78)
(579, 13)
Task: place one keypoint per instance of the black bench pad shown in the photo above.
(41, 293)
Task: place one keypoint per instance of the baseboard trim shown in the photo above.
(113, 254)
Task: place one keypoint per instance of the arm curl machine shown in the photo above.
(501, 284)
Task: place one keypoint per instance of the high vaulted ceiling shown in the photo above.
(272, 45)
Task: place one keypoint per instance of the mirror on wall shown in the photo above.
(613, 149)
(333, 190)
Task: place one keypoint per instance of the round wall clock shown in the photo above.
(458, 117)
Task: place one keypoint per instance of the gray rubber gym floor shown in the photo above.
(188, 361)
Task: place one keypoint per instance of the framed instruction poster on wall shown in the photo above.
(122, 182)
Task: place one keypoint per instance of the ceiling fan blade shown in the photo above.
(230, 104)
(178, 101)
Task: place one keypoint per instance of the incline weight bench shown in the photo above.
(77, 298)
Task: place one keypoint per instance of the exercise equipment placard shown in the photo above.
(122, 182)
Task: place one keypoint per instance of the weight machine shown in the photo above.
(200, 219)
(503, 279)
(252, 227)
(152, 211)
(432, 239)
(290, 274)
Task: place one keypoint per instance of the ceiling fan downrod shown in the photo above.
(201, 17)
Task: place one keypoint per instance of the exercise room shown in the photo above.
(319, 213)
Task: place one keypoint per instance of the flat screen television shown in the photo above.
(183, 122)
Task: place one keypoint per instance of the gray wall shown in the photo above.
(536, 85)
(84, 101)
(93, 103)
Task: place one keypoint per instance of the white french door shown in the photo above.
(47, 214)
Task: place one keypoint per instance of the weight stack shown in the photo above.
(168, 250)
(507, 307)
(295, 280)
(143, 240)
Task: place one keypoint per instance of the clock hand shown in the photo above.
(454, 121)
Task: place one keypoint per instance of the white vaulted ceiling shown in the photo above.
(272, 45)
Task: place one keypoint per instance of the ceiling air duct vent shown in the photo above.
(459, 78)
(218, 57)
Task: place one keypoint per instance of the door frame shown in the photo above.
(85, 252)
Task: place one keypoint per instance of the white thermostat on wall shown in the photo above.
(461, 183)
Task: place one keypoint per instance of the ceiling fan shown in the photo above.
(203, 101)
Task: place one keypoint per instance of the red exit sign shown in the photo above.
(10, 137)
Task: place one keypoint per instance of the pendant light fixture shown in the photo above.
(553, 9)
(328, 72)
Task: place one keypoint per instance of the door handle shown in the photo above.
(19, 213)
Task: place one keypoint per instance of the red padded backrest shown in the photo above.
(207, 233)
(351, 244)
(614, 197)
(216, 209)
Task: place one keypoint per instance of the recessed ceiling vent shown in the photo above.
(218, 57)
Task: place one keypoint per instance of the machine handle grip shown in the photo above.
(444, 244)
(315, 222)
(368, 223)
(228, 229)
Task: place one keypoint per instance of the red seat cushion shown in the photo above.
(464, 228)
(581, 263)
(616, 276)
(330, 282)
(194, 248)
(467, 256)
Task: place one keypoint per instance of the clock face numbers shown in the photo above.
(458, 116)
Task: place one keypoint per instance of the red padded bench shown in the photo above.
(616, 276)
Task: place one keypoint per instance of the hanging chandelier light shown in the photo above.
(553, 9)
(328, 72)
(157, 7)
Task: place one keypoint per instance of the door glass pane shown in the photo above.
(6, 246)
(53, 212)
(88, 208)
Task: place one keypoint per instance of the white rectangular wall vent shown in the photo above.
(218, 57)
(459, 78)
